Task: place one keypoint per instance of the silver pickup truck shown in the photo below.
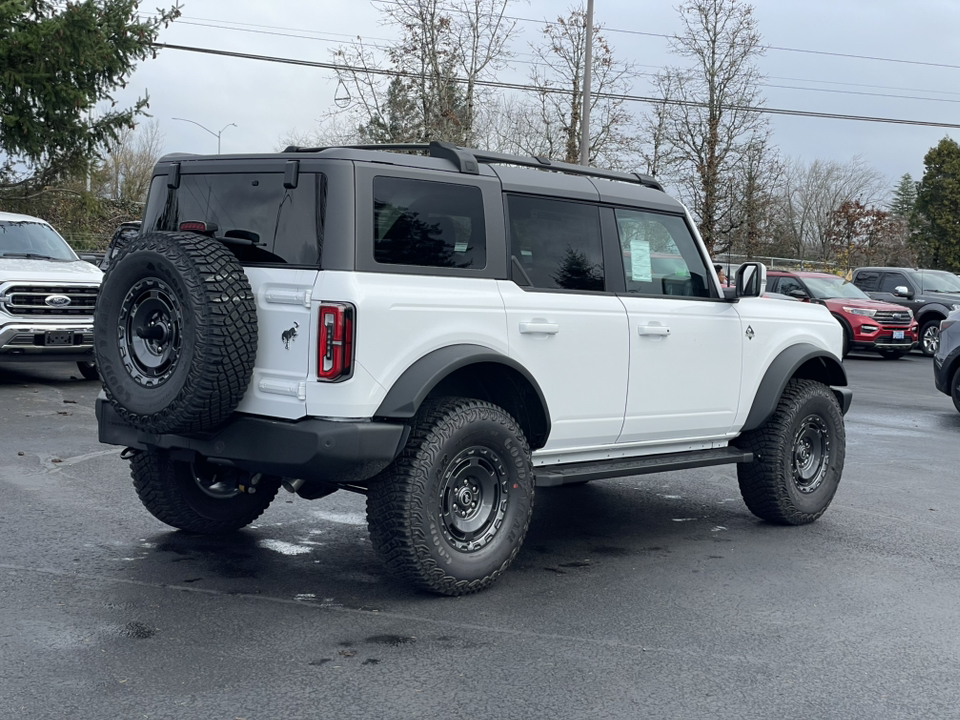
(47, 296)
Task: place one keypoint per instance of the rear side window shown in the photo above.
(258, 218)
(891, 281)
(428, 224)
(660, 256)
(868, 281)
(555, 243)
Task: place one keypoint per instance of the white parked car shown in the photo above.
(47, 296)
(444, 332)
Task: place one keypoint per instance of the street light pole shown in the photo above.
(215, 134)
(587, 72)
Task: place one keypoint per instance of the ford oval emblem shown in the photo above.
(57, 301)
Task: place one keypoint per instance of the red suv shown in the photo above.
(867, 324)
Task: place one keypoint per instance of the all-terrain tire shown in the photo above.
(798, 456)
(930, 337)
(175, 333)
(203, 499)
(451, 512)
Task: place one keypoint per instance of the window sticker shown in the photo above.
(640, 261)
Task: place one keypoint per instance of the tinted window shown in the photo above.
(660, 256)
(789, 284)
(267, 222)
(556, 243)
(867, 281)
(429, 224)
(891, 281)
(28, 238)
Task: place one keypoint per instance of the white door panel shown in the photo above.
(685, 359)
(282, 368)
(575, 345)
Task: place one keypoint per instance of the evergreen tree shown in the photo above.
(936, 221)
(904, 198)
(57, 61)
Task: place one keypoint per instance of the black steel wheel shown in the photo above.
(175, 332)
(930, 337)
(798, 456)
(451, 512)
(197, 496)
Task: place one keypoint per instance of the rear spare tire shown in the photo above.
(175, 333)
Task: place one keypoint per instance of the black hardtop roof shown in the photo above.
(463, 160)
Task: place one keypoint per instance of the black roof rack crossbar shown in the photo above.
(467, 160)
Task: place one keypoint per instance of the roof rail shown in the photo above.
(467, 160)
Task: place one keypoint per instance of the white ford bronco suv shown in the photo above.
(444, 329)
(47, 296)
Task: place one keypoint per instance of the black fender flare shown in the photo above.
(924, 313)
(417, 381)
(817, 364)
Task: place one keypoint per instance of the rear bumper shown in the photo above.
(28, 341)
(310, 449)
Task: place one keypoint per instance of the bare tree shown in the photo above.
(126, 168)
(812, 194)
(550, 123)
(708, 119)
(426, 87)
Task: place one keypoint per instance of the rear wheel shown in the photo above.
(798, 456)
(930, 337)
(451, 512)
(200, 497)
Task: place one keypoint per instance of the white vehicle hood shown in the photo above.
(52, 271)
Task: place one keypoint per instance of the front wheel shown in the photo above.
(930, 337)
(451, 512)
(955, 390)
(200, 497)
(88, 370)
(798, 456)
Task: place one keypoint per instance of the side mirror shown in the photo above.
(903, 291)
(798, 293)
(751, 279)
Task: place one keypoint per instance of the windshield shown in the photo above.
(937, 281)
(833, 287)
(32, 239)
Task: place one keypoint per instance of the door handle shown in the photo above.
(653, 330)
(542, 328)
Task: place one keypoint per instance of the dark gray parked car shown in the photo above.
(931, 294)
(946, 363)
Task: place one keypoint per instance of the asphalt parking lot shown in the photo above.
(659, 597)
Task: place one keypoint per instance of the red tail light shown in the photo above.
(204, 228)
(335, 343)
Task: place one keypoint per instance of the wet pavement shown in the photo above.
(658, 597)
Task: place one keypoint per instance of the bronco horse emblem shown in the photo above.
(289, 336)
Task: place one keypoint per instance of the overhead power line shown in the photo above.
(560, 91)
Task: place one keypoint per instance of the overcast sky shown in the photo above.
(267, 101)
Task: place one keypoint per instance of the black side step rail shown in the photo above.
(554, 475)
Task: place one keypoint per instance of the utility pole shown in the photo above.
(587, 72)
(215, 134)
